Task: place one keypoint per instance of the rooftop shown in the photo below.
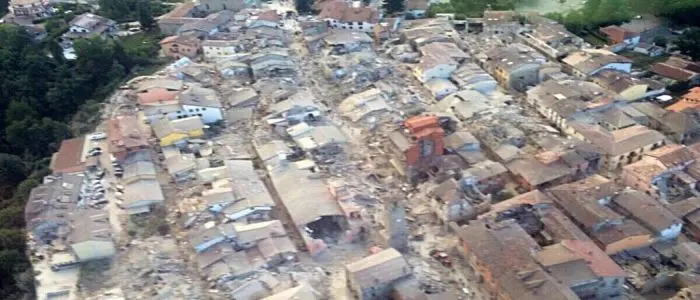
(200, 96)
(444, 50)
(621, 141)
(346, 36)
(584, 200)
(69, 158)
(676, 68)
(505, 250)
(646, 210)
(591, 60)
(571, 250)
(379, 268)
(618, 34)
(347, 12)
(124, 133)
(514, 56)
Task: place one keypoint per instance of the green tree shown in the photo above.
(303, 6)
(145, 14)
(12, 170)
(393, 6)
(688, 43)
(661, 41)
(116, 9)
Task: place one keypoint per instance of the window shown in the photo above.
(204, 108)
(191, 110)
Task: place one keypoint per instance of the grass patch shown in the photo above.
(594, 40)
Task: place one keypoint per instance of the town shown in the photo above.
(352, 155)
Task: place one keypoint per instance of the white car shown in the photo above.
(98, 136)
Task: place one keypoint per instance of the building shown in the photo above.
(55, 214)
(201, 102)
(89, 25)
(443, 49)
(417, 8)
(665, 173)
(302, 291)
(626, 86)
(589, 62)
(500, 22)
(620, 35)
(488, 176)
(678, 70)
(254, 201)
(373, 277)
(71, 156)
(440, 87)
(689, 254)
(501, 253)
(167, 135)
(689, 211)
(266, 18)
(649, 49)
(516, 66)
(543, 170)
(550, 37)
(183, 13)
(683, 127)
(34, 9)
(349, 15)
(139, 170)
(587, 203)
(343, 41)
(124, 135)
(91, 235)
(564, 101)
(179, 46)
(582, 266)
(215, 49)
(211, 6)
(470, 76)
(649, 213)
(313, 210)
(690, 101)
(421, 140)
(619, 147)
(141, 196)
(431, 66)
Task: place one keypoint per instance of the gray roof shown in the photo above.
(247, 186)
(142, 193)
(242, 95)
(460, 138)
(188, 124)
(343, 36)
(306, 204)
(200, 96)
(51, 201)
(379, 269)
(92, 21)
(140, 168)
(162, 128)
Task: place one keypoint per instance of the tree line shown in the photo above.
(40, 94)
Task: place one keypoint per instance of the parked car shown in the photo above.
(98, 136)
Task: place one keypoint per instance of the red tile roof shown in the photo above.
(124, 134)
(157, 95)
(69, 158)
(618, 34)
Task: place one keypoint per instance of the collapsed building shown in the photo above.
(313, 210)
